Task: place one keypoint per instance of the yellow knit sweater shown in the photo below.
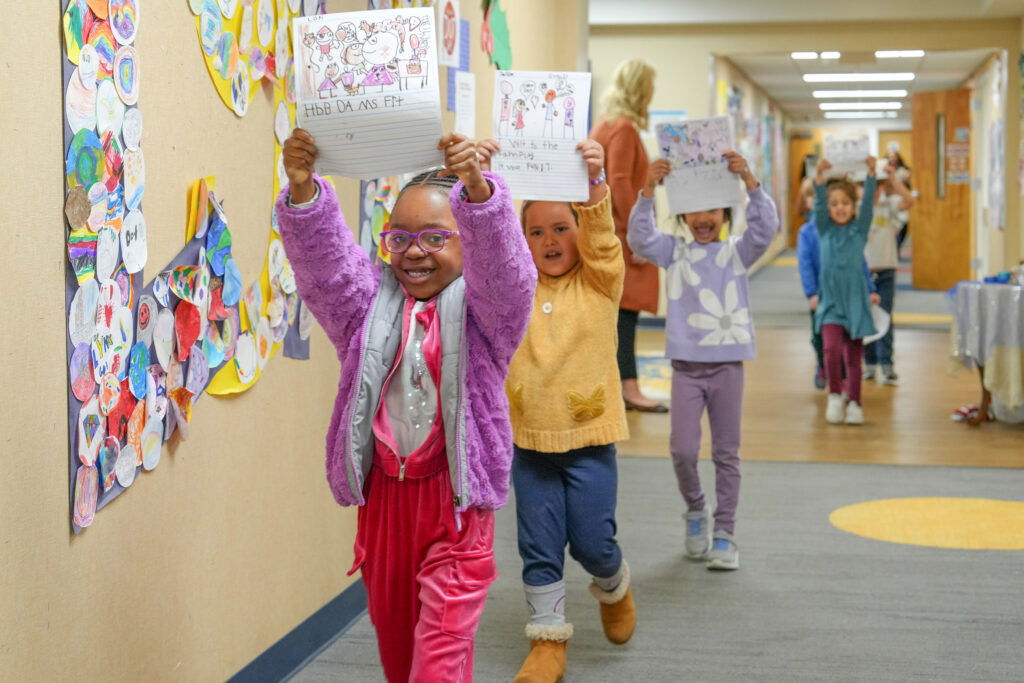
(563, 384)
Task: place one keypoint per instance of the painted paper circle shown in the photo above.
(107, 306)
(228, 7)
(115, 206)
(114, 161)
(109, 108)
(82, 315)
(264, 21)
(82, 253)
(124, 282)
(198, 370)
(124, 20)
(85, 161)
(83, 384)
(213, 346)
(161, 290)
(163, 337)
(186, 328)
(133, 241)
(110, 392)
(87, 493)
(108, 248)
(292, 307)
(282, 123)
(175, 375)
(240, 90)
(281, 48)
(107, 460)
(264, 342)
(126, 74)
(91, 431)
(138, 370)
(246, 358)
(179, 419)
(290, 94)
(73, 21)
(102, 40)
(101, 8)
(156, 394)
(88, 67)
(80, 103)
(254, 304)
(145, 319)
(305, 321)
(131, 128)
(245, 30)
(134, 178)
(124, 466)
(98, 206)
(225, 55)
(275, 257)
(210, 27)
(77, 207)
(231, 329)
(136, 425)
(232, 283)
(152, 444)
(258, 63)
(196, 6)
(275, 307)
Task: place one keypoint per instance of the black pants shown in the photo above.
(626, 353)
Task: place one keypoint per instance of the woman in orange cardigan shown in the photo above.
(625, 110)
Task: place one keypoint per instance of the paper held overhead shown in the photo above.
(367, 90)
(700, 179)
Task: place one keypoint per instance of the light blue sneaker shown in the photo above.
(698, 534)
(724, 554)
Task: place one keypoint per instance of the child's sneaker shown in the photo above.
(698, 534)
(836, 409)
(888, 376)
(724, 554)
(819, 378)
(854, 414)
(869, 372)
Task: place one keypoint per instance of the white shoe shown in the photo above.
(836, 409)
(854, 414)
(698, 533)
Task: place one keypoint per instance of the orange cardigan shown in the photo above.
(626, 166)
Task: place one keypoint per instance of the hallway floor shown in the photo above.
(810, 602)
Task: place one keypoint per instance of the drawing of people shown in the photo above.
(518, 109)
(346, 32)
(352, 61)
(506, 107)
(329, 86)
(325, 40)
(568, 123)
(380, 51)
(549, 114)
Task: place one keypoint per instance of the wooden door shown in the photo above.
(801, 143)
(940, 220)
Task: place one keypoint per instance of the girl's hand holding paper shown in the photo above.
(299, 161)
(739, 166)
(656, 172)
(485, 150)
(460, 158)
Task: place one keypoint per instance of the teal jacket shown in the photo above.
(843, 293)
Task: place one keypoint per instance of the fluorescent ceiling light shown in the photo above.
(827, 94)
(860, 115)
(857, 77)
(892, 54)
(803, 55)
(831, 55)
(833, 106)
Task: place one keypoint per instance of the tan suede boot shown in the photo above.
(546, 661)
(618, 611)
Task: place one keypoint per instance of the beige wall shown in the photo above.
(234, 539)
(681, 54)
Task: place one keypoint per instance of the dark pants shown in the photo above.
(626, 354)
(566, 498)
(819, 347)
(841, 350)
(880, 352)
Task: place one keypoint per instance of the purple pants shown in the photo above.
(840, 349)
(717, 387)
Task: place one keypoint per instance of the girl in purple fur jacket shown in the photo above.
(420, 436)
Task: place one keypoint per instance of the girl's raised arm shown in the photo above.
(644, 238)
(334, 275)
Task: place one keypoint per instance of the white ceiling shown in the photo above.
(605, 12)
(782, 78)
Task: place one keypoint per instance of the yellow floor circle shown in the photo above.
(965, 523)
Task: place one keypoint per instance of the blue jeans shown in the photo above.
(880, 352)
(566, 498)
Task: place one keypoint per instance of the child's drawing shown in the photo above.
(538, 104)
(506, 107)
(691, 144)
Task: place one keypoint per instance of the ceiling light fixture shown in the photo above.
(803, 55)
(893, 54)
(831, 55)
(858, 77)
(836, 94)
(860, 115)
(839, 106)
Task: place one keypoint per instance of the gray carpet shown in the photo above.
(810, 602)
(778, 299)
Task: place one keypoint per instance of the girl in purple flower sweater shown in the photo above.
(420, 436)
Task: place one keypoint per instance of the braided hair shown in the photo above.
(432, 178)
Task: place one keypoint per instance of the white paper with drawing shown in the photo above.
(368, 91)
(847, 151)
(700, 178)
(539, 118)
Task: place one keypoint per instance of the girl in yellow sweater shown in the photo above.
(567, 414)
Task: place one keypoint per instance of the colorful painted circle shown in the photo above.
(125, 467)
(131, 128)
(210, 27)
(109, 451)
(102, 40)
(74, 20)
(126, 74)
(85, 160)
(240, 90)
(124, 20)
(225, 56)
(87, 492)
(80, 103)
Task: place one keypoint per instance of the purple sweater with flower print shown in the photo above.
(339, 284)
(709, 318)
